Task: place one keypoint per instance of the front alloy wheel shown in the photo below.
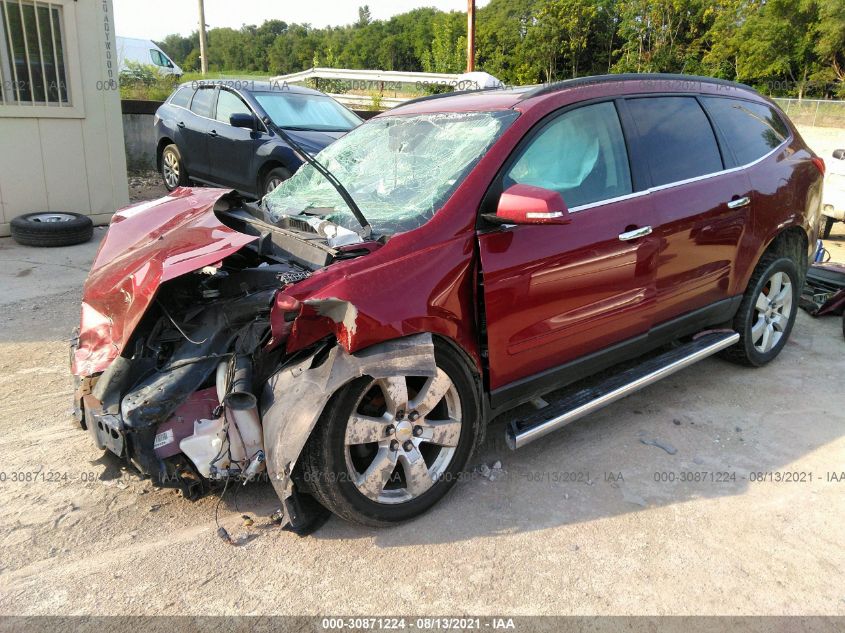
(386, 450)
(397, 447)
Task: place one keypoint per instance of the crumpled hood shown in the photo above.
(146, 245)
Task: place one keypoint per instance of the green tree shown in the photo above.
(779, 41)
(448, 46)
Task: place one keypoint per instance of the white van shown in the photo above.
(133, 49)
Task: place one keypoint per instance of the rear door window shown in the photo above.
(581, 154)
(751, 130)
(676, 138)
(182, 97)
(202, 102)
(228, 104)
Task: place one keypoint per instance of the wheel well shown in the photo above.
(265, 169)
(159, 149)
(793, 243)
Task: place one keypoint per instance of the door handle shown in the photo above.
(636, 233)
(739, 202)
(181, 124)
(213, 133)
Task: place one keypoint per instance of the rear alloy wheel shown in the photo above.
(767, 312)
(172, 169)
(386, 450)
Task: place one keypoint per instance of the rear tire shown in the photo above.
(347, 454)
(767, 312)
(173, 171)
(828, 226)
(51, 229)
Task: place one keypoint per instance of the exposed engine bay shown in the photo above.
(180, 403)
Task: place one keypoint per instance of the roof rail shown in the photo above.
(454, 93)
(582, 81)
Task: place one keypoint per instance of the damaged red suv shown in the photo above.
(449, 260)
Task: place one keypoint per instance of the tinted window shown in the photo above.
(202, 101)
(182, 97)
(676, 138)
(228, 104)
(751, 130)
(580, 154)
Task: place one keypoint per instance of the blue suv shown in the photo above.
(227, 133)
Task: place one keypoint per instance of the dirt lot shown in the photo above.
(80, 536)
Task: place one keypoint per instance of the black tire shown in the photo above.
(324, 470)
(276, 175)
(173, 173)
(51, 229)
(828, 226)
(745, 352)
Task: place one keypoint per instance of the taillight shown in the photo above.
(819, 163)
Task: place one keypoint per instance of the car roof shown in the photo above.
(249, 85)
(507, 98)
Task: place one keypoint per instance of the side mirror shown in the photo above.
(527, 204)
(839, 153)
(241, 119)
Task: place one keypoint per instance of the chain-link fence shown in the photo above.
(814, 112)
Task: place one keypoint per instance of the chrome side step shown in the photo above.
(524, 430)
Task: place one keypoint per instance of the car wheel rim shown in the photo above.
(402, 435)
(51, 217)
(272, 184)
(774, 309)
(170, 169)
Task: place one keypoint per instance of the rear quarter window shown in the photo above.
(182, 97)
(751, 130)
(676, 138)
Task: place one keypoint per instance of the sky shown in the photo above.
(154, 19)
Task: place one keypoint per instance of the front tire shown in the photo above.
(385, 451)
(767, 312)
(274, 178)
(173, 171)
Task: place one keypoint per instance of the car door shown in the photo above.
(232, 149)
(194, 127)
(703, 208)
(556, 293)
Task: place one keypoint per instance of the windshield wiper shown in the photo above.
(367, 230)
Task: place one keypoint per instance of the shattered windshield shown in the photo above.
(399, 170)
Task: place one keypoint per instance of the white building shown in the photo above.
(61, 135)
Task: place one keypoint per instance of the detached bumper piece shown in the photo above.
(581, 403)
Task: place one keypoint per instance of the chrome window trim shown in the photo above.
(678, 183)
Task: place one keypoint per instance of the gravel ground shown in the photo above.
(576, 524)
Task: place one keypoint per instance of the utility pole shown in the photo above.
(203, 44)
(470, 35)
